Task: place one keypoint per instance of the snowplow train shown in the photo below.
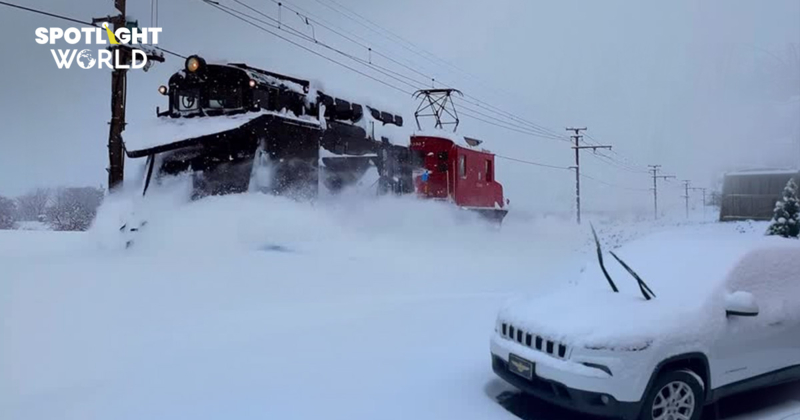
(236, 128)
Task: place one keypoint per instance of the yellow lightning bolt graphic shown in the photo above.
(111, 38)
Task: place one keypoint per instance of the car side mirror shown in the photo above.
(740, 304)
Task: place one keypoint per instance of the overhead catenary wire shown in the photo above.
(400, 78)
(312, 51)
(365, 44)
(382, 31)
(416, 50)
(497, 123)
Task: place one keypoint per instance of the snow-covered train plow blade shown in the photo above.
(225, 161)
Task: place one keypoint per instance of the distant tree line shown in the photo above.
(63, 209)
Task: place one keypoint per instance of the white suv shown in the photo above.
(706, 314)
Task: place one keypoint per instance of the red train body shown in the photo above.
(459, 174)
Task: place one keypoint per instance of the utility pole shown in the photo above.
(686, 184)
(577, 138)
(655, 169)
(119, 78)
(704, 199)
(116, 154)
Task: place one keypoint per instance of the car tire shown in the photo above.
(675, 395)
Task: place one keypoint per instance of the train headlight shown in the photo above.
(163, 90)
(252, 83)
(194, 64)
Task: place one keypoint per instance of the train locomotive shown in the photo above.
(237, 128)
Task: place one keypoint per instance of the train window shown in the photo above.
(187, 100)
(462, 166)
(224, 98)
(260, 98)
(489, 171)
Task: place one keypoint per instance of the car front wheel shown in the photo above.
(676, 395)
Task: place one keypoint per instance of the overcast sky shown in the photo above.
(697, 86)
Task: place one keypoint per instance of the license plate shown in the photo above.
(520, 366)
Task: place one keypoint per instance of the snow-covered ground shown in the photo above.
(257, 307)
(31, 225)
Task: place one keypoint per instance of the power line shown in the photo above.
(623, 162)
(616, 164)
(42, 12)
(171, 53)
(530, 125)
(73, 20)
(564, 168)
(379, 69)
(317, 53)
(528, 162)
(613, 185)
(500, 124)
(416, 84)
(408, 45)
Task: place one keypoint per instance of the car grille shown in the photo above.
(536, 342)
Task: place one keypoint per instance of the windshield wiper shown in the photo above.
(646, 292)
(643, 287)
(602, 265)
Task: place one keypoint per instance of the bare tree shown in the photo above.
(8, 213)
(32, 206)
(73, 208)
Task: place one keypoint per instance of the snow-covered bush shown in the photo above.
(8, 213)
(73, 208)
(31, 206)
(786, 221)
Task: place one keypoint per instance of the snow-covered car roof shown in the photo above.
(687, 269)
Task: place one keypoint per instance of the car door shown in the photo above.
(751, 347)
(742, 350)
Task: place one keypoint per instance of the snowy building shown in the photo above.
(752, 194)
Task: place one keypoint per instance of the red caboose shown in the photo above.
(459, 173)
